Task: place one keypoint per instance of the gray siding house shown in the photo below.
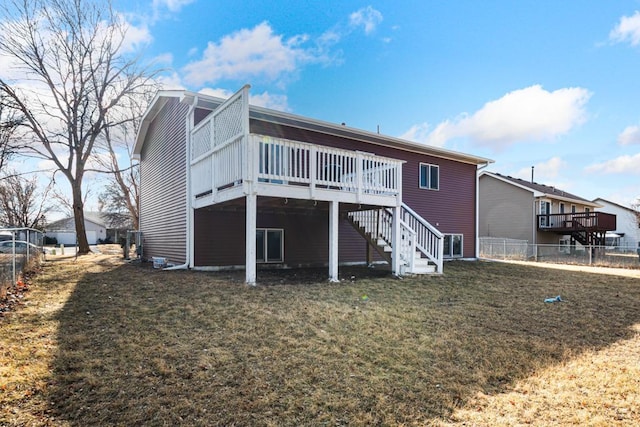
(514, 208)
(229, 185)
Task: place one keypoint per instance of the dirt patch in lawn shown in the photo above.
(108, 343)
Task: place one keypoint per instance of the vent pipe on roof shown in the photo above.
(532, 168)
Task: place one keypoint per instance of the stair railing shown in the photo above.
(429, 240)
(378, 225)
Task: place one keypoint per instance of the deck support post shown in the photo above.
(333, 241)
(250, 241)
(397, 241)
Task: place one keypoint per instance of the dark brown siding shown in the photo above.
(163, 185)
(451, 209)
(220, 238)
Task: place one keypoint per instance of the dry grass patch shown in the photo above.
(117, 344)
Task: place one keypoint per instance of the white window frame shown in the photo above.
(450, 238)
(429, 186)
(265, 259)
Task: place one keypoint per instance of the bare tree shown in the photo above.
(75, 51)
(120, 197)
(114, 206)
(21, 203)
(10, 120)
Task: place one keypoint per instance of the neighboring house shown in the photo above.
(64, 230)
(627, 232)
(228, 185)
(518, 209)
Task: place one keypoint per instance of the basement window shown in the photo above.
(452, 246)
(429, 176)
(269, 245)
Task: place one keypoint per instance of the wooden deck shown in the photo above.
(576, 222)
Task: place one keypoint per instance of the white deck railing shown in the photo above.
(286, 161)
(218, 146)
(282, 161)
(223, 154)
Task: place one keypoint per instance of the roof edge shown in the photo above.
(209, 102)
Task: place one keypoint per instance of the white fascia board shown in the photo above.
(159, 100)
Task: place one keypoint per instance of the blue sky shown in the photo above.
(550, 84)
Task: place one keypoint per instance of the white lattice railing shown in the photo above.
(218, 146)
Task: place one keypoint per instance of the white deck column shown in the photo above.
(333, 241)
(250, 261)
(397, 241)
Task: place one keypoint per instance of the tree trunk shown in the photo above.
(78, 216)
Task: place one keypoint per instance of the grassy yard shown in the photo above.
(99, 342)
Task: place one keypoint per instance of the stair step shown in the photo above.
(423, 270)
(421, 262)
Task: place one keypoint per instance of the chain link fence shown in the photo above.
(20, 249)
(522, 250)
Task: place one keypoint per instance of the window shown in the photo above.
(269, 245)
(429, 176)
(587, 210)
(561, 208)
(452, 245)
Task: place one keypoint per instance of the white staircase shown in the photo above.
(421, 244)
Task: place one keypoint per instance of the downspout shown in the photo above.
(189, 211)
(478, 209)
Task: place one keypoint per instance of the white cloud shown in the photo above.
(135, 37)
(265, 99)
(367, 17)
(629, 136)
(170, 81)
(623, 164)
(171, 5)
(417, 133)
(162, 9)
(627, 30)
(249, 54)
(268, 100)
(544, 171)
(529, 114)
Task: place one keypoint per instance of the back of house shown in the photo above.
(296, 191)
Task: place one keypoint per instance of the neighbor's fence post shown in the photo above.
(15, 279)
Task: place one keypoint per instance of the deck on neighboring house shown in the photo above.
(588, 228)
